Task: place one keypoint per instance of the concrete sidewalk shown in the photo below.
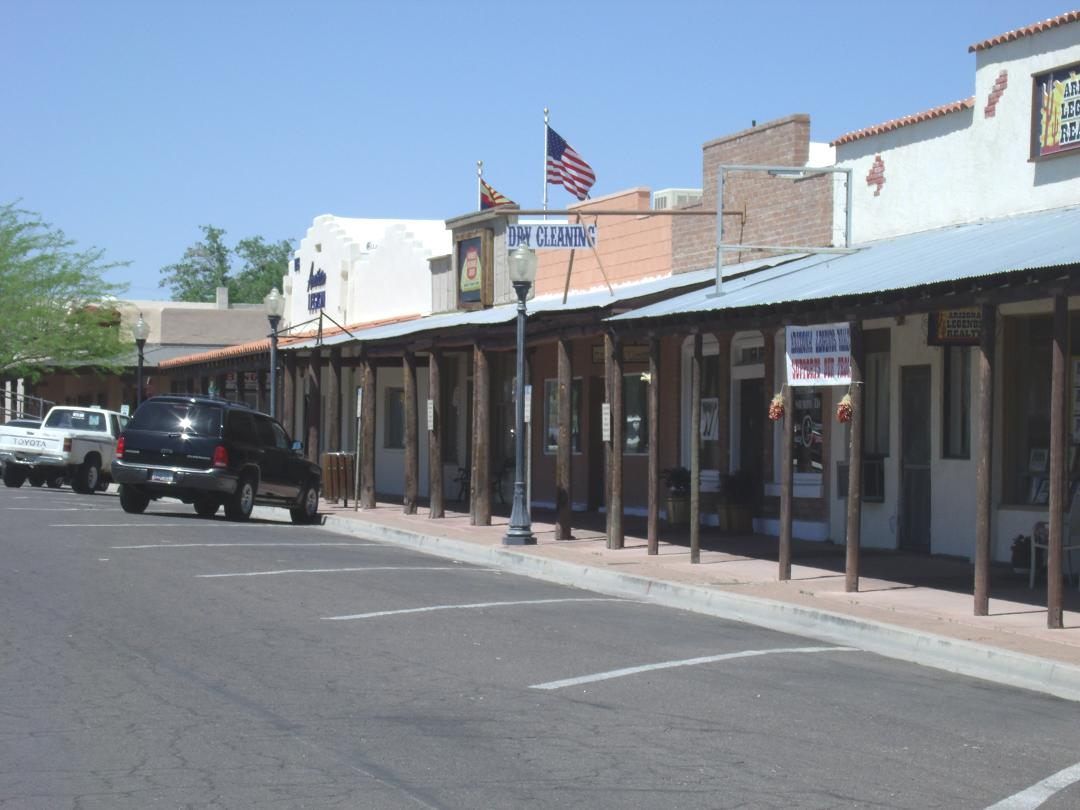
(912, 607)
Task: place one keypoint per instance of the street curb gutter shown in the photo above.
(928, 649)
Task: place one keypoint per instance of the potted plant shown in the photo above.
(677, 481)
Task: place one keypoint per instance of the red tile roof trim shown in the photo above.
(1026, 31)
(916, 118)
(263, 345)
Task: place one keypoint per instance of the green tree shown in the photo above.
(208, 264)
(262, 266)
(204, 268)
(56, 308)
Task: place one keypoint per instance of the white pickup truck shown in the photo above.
(73, 444)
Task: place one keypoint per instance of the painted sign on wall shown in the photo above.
(1056, 113)
(954, 327)
(549, 235)
(818, 355)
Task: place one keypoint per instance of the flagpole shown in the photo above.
(479, 188)
(545, 158)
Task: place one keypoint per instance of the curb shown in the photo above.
(892, 641)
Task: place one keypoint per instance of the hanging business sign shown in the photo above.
(470, 266)
(550, 235)
(1055, 119)
(954, 327)
(818, 355)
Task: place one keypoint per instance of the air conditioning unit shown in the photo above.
(675, 198)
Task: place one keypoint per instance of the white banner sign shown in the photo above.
(819, 355)
(548, 235)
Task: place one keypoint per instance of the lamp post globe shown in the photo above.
(522, 271)
(140, 331)
(275, 308)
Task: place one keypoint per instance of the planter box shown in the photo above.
(736, 518)
(678, 510)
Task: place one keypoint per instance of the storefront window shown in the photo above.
(636, 408)
(807, 453)
(1026, 404)
(394, 427)
(956, 407)
(551, 416)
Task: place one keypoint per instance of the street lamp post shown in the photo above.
(522, 263)
(141, 331)
(275, 308)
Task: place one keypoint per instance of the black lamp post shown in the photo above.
(522, 263)
(141, 331)
(275, 308)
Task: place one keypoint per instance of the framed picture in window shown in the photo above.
(710, 419)
(1043, 495)
(1038, 459)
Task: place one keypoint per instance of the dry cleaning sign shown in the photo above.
(819, 355)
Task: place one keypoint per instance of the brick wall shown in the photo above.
(777, 210)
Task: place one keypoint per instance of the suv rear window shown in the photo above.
(77, 420)
(178, 417)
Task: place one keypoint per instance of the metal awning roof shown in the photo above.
(505, 313)
(1023, 242)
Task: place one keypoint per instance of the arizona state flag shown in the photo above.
(489, 197)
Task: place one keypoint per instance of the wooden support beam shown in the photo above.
(287, 407)
(614, 377)
(333, 397)
(653, 528)
(435, 451)
(564, 451)
(412, 440)
(1058, 454)
(480, 483)
(313, 406)
(367, 434)
(695, 451)
(787, 480)
(984, 465)
(853, 537)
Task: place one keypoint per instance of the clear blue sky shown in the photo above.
(129, 124)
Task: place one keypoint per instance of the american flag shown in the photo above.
(567, 168)
(489, 197)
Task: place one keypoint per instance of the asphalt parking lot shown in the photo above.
(163, 659)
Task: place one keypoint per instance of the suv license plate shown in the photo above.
(162, 476)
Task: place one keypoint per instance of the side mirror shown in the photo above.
(298, 448)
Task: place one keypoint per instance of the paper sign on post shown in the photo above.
(605, 421)
(528, 404)
(431, 414)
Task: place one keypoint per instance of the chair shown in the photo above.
(1040, 538)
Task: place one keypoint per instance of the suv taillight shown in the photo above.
(221, 456)
(67, 445)
(120, 448)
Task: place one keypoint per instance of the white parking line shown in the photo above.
(189, 524)
(1040, 792)
(686, 662)
(466, 607)
(49, 509)
(347, 570)
(249, 545)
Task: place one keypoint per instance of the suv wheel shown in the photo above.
(86, 478)
(54, 480)
(308, 509)
(238, 506)
(36, 478)
(132, 501)
(13, 476)
(206, 506)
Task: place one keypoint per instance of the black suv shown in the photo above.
(213, 452)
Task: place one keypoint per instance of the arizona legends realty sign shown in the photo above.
(819, 355)
(547, 235)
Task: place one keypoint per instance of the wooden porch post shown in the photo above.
(435, 464)
(287, 412)
(984, 465)
(1058, 439)
(787, 475)
(654, 446)
(480, 483)
(564, 505)
(854, 498)
(614, 376)
(695, 451)
(367, 434)
(412, 442)
(314, 404)
(333, 396)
